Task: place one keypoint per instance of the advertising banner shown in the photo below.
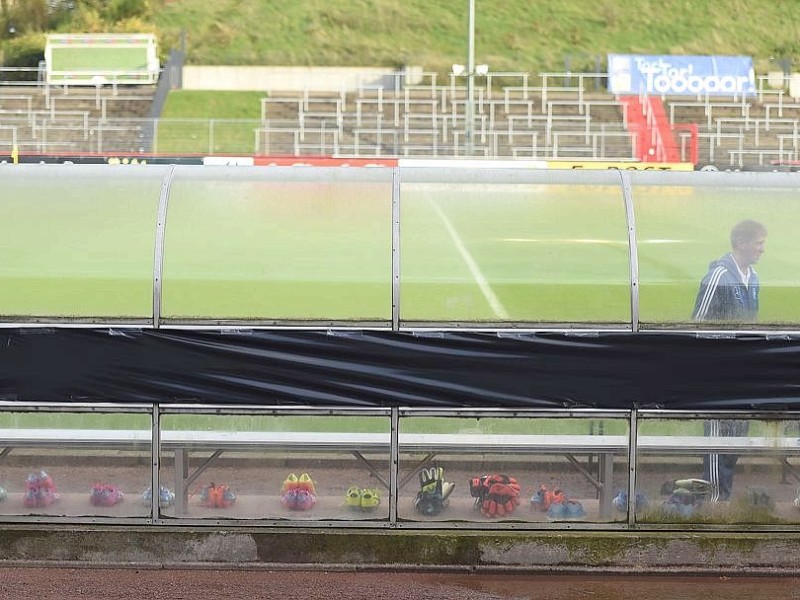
(681, 75)
(321, 161)
(620, 165)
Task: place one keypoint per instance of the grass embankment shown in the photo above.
(510, 35)
(530, 36)
(198, 121)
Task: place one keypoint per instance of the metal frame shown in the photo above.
(158, 254)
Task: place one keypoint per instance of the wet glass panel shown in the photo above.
(511, 469)
(510, 246)
(301, 467)
(75, 464)
(685, 227)
(82, 239)
(720, 470)
(279, 243)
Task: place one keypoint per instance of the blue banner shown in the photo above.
(681, 75)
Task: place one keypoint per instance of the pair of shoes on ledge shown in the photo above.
(217, 496)
(362, 498)
(298, 493)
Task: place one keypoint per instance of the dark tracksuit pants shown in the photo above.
(719, 468)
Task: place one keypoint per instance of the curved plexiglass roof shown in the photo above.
(385, 247)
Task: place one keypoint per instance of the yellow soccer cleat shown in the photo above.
(353, 497)
(370, 498)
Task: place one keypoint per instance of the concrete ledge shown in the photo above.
(646, 552)
(301, 79)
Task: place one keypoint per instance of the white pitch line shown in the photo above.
(486, 290)
(588, 241)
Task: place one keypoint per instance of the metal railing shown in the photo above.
(319, 133)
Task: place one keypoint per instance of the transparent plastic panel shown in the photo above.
(718, 471)
(296, 467)
(513, 246)
(685, 223)
(497, 469)
(75, 464)
(279, 243)
(79, 240)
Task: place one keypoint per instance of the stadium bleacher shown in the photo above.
(548, 118)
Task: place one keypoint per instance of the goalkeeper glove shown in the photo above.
(497, 495)
(434, 491)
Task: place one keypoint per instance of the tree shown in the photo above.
(6, 6)
(22, 16)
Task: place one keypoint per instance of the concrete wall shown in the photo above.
(313, 79)
(628, 552)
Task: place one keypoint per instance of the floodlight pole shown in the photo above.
(469, 125)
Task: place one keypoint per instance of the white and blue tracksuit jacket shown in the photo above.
(723, 296)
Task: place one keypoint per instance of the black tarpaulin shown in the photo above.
(378, 369)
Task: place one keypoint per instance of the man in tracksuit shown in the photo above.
(729, 292)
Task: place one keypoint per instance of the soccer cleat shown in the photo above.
(304, 500)
(574, 510)
(620, 501)
(3, 494)
(682, 503)
(543, 498)
(290, 483)
(289, 499)
(298, 493)
(105, 495)
(228, 497)
(369, 498)
(557, 511)
(304, 482)
(166, 497)
(678, 509)
(353, 497)
(758, 498)
(298, 499)
(39, 490)
(539, 499)
(217, 496)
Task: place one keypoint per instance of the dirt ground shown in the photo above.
(257, 485)
(177, 584)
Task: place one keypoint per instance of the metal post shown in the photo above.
(155, 467)
(470, 112)
(633, 441)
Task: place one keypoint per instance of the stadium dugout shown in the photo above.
(101, 59)
(479, 318)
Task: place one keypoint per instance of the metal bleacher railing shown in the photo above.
(546, 116)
